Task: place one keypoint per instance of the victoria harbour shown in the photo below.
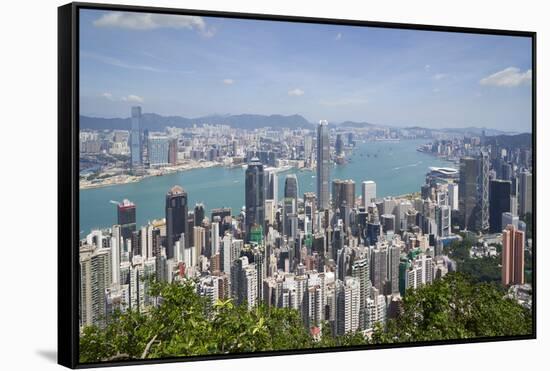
(397, 167)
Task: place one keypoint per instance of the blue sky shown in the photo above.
(195, 66)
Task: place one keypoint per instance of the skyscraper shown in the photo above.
(198, 214)
(394, 254)
(368, 192)
(513, 246)
(176, 218)
(308, 144)
(272, 185)
(254, 195)
(291, 188)
(347, 305)
(310, 208)
(289, 213)
(214, 238)
(510, 218)
(95, 278)
(376, 309)
(483, 192)
(244, 282)
(323, 165)
(453, 196)
(343, 193)
(415, 271)
(126, 218)
(199, 241)
(173, 151)
(115, 254)
(468, 192)
(379, 267)
(135, 137)
(443, 220)
(500, 203)
(525, 193)
(388, 222)
(361, 271)
(158, 150)
(339, 145)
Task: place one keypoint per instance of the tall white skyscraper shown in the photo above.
(323, 165)
(214, 238)
(419, 272)
(375, 309)
(453, 195)
(270, 211)
(369, 192)
(226, 258)
(443, 220)
(199, 239)
(135, 137)
(95, 278)
(347, 305)
(116, 241)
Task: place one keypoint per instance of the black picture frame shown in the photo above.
(68, 169)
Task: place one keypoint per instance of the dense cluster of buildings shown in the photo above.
(340, 259)
(140, 150)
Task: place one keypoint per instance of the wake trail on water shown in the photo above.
(410, 165)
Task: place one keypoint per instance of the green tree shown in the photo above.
(484, 269)
(454, 307)
(184, 324)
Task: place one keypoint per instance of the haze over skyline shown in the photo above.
(198, 66)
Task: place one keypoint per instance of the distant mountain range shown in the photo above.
(353, 124)
(524, 140)
(476, 131)
(155, 122)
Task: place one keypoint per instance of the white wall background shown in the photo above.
(28, 182)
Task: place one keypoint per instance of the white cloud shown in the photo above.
(440, 76)
(338, 36)
(149, 21)
(107, 96)
(349, 101)
(132, 99)
(296, 92)
(228, 81)
(427, 67)
(508, 77)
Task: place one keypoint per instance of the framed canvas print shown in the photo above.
(236, 185)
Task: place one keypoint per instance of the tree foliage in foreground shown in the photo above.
(450, 308)
(456, 308)
(180, 326)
